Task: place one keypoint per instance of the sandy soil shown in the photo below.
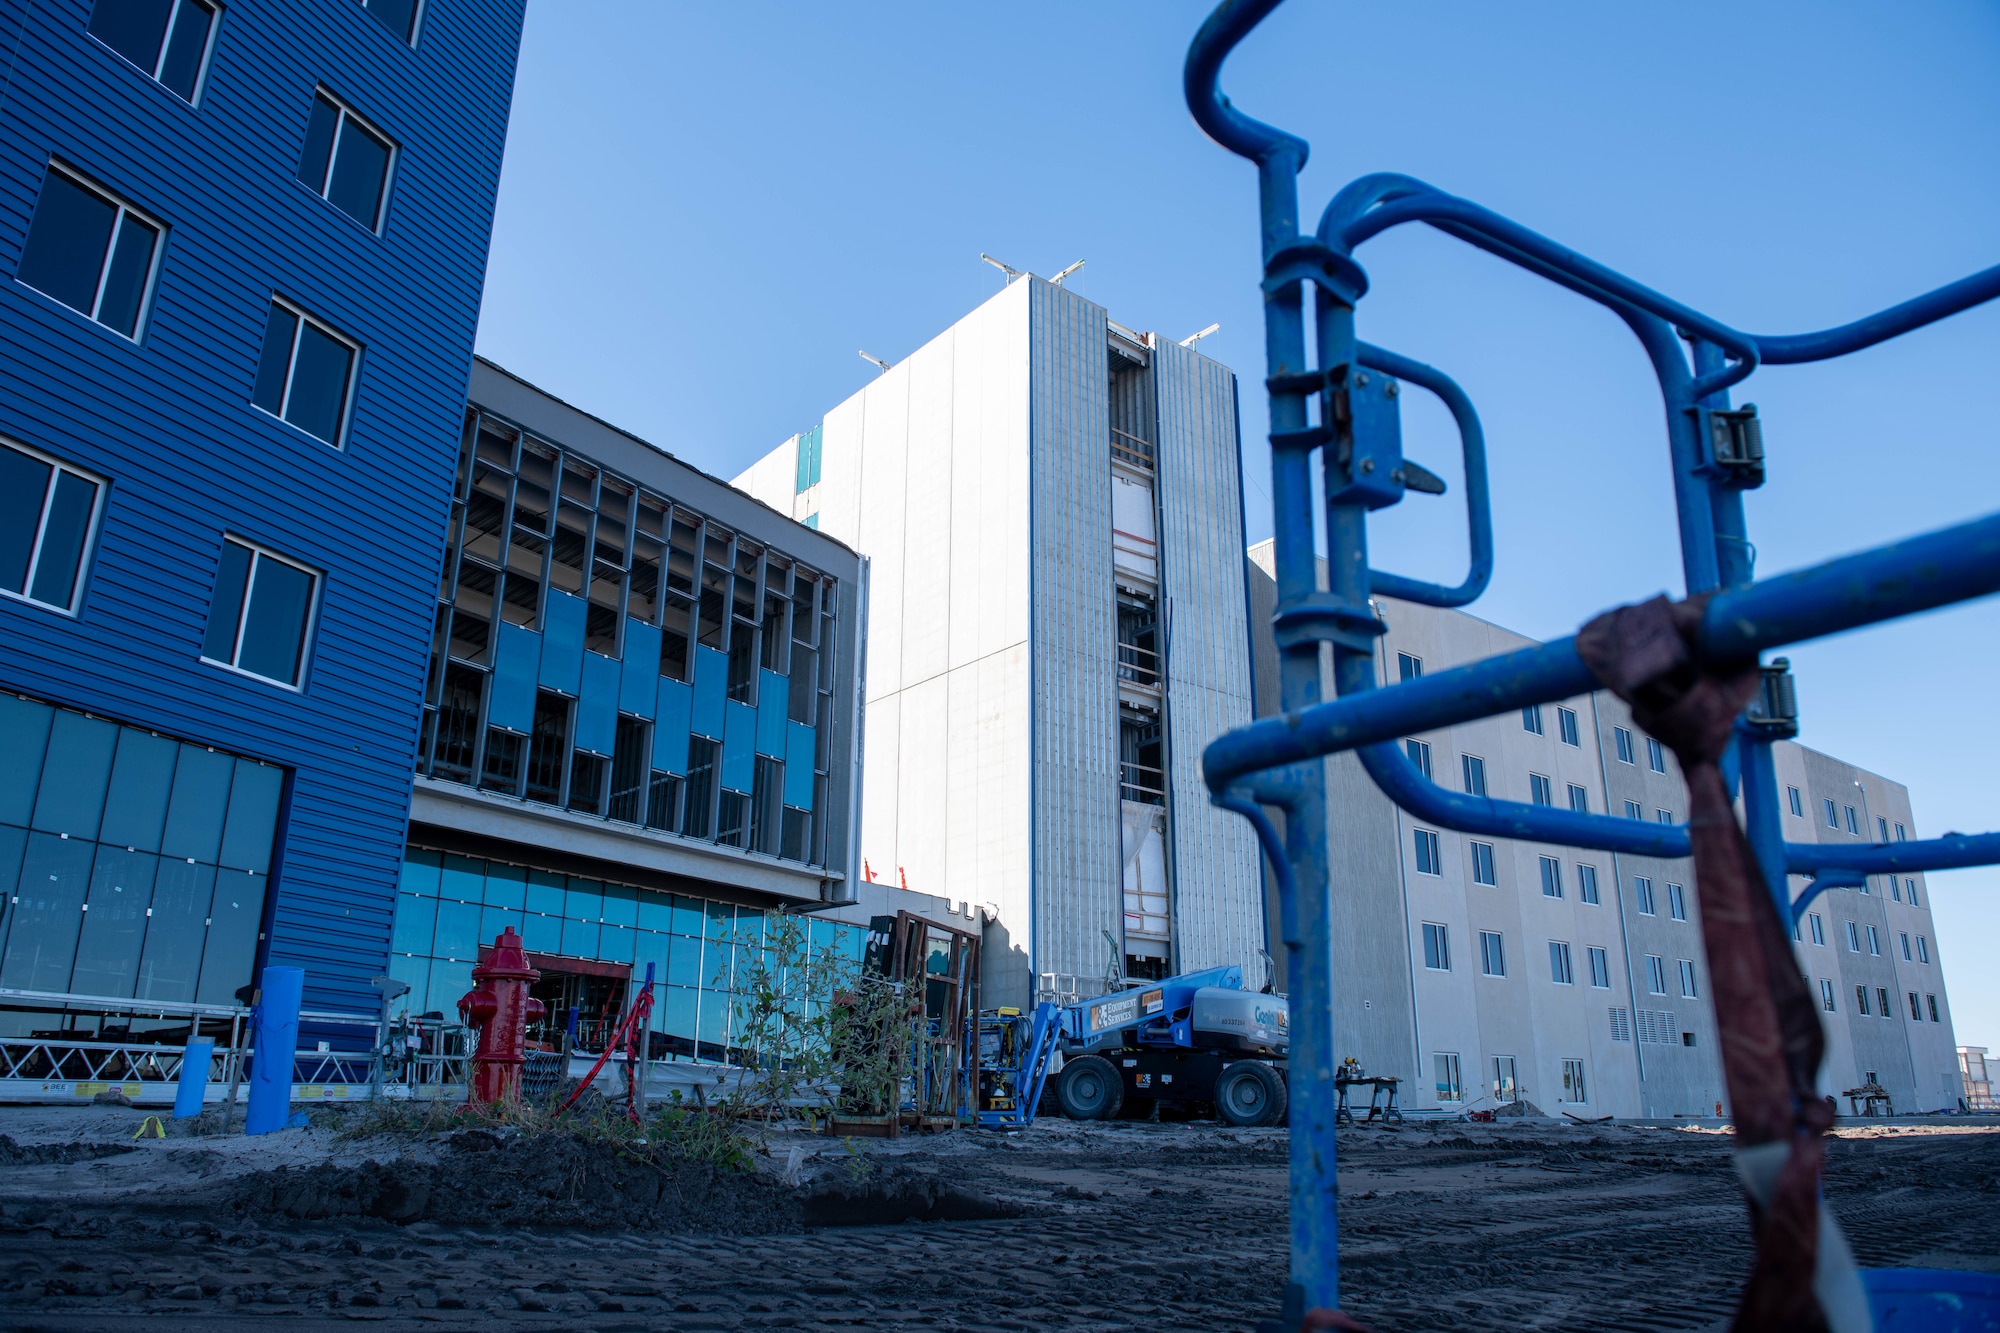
(1090, 1227)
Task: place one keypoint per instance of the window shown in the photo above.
(1473, 770)
(1832, 816)
(1686, 966)
(1428, 862)
(1624, 739)
(1437, 947)
(1408, 667)
(1677, 905)
(1923, 949)
(1506, 1089)
(1853, 824)
(1492, 954)
(1572, 1089)
(1664, 816)
(48, 511)
(1916, 1012)
(1863, 886)
(306, 372)
(1882, 994)
(1539, 790)
(1600, 967)
(345, 161)
(1449, 1089)
(1420, 755)
(398, 16)
(1874, 941)
(1910, 887)
(1853, 938)
(1818, 928)
(1566, 727)
(1826, 995)
(1621, 1023)
(168, 40)
(1482, 864)
(1903, 937)
(90, 251)
(261, 613)
(1656, 974)
(1895, 889)
(1559, 964)
(1861, 1000)
(1633, 810)
(1656, 756)
(1902, 835)
(1642, 889)
(1930, 1002)
(1531, 719)
(1579, 799)
(1882, 829)
(1586, 884)
(1798, 804)
(1552, 877)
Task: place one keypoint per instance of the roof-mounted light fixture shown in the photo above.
(1011, 272)
(875, 361)
(1194, 338)
(1057, 280)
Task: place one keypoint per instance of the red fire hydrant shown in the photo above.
(500, 1007)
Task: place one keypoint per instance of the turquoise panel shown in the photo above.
(711, 687)
(420, 871)
(24, 736)
(171, 964)
(597, 705)
(199, 804)
(142, 777)
(670, 730)
(517, 659)
(231, 953)
(739, 749)
(562, 643)
(800, 743)
(73, 781)
(642, 669)
(546, 894)
(416, 924)
(253, 816)
(114, 926)
(774, 693)
(506, 886)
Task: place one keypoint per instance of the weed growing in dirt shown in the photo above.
(670, 1134)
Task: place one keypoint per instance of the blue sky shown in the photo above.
(707, 210)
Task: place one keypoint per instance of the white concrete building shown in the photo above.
(1486, 969)
(1051, 509)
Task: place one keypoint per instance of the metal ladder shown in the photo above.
(1345, 410)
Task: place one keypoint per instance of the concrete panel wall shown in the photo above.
(1074, 632)
(1218, 892)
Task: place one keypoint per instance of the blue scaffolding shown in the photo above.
(1344, 409)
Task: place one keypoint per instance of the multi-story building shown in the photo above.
(241, 254)
(1489, 971)
(1052, 511)
(638, 728)
(1978, 1082)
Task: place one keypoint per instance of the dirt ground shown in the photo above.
(1067, 1226)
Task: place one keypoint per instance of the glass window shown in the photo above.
(1818, 927)
(1677, 902)
(1853, 938)
(1437, 947)
(1910, 887)
(1586, 884)
(1874, 941)
(1656, 756)
(1633, 810)
(1579, 799)
(90, 251)
(1540, 789)
(1572, 1088)
(1624, 740)
(260, 614)
(305, 372)
(1449, 1089)
(1531, 719)
(1567, 728)
(1473, 770)
(1552, 877)
(1903, 939)
(1482, 864)
(1797, 801)
(1428, 861)
(1923, 949)
(1832, 816)
(1642, 889)
(1853, 823)
(1656, 974)
(1408, 667)
(1930, 1002)
(170, 965)
(1600, 967)
(1492, 954)
(1664, 816)
(398, 16)
(1902, 834)
(1688, 989)
(1826, 995)
(48, 516)
(346, 161)
(168, 39)
(1420, 755)
(1560, 970)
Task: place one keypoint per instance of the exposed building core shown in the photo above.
(1051, 506)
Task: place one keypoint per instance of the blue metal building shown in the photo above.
(241, 255)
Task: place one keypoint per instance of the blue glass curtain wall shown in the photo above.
(449, 905)
(133, 865)
(596, 644)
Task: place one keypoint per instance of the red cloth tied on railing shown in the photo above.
(1769, 1032)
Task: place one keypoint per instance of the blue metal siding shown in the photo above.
(711, 687)
(169, 420)
(774, 694)
(739, 751)
(517, 659)
(563, 617)
(597, 704)
(670, 731)
(639, 686)
(800, 743)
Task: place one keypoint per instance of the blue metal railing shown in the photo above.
(1332, 409)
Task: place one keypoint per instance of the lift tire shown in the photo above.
(1089, 1088)
(1250, 1093)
